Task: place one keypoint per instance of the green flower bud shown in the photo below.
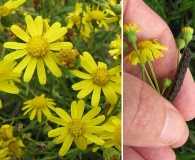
(181, 44)
(166, 83)
(111, 154)
(46, 129)
(187, 33)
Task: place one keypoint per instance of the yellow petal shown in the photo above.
(59, 45)
(20, 33)
(16, 54)
(30, 69)
(56, 132)
(51, 31)
(57, 34)
(63, 114)
(91, 114)
(14, 45)
(39, 25)
(41, 71)
(31, 26)
(52, 66)
(96, 96)
(66, 145)
(87, 62)
(94, 138)
(81, 74)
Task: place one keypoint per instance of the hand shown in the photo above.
(151, 124)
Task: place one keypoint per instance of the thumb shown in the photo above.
(148, 119)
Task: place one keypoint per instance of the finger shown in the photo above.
(148, 119)
(182, 140)
(130, 153)
(154, 27)
(161, 153)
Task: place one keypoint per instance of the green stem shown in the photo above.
(43, 9)
(154, 76)
(65, 88)
(144, 70)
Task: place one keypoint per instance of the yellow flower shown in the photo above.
(148, 50)
(7, 75)
(95, 17)
(130, 31)
(9, 6)
(37, 48)
(78, 128)
(6, 131)
(112, 134)
(99, 78)
(38, 105)
(74, 18)
(11, 146)
(115, 47)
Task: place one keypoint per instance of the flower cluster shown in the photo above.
(61, 64)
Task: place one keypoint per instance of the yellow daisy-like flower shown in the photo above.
(7, 77)
(78, 128)
(95, 15)
(115, 47)
(99, 78)
(112, 134)
(74, 18)
(9, 6)
(38, 105)
(11, 146)
(148, 50)
(37, 48)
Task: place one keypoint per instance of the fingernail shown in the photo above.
(174, 127)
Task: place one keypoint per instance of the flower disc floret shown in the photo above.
(100, 76)
(76, 128)
(37, 46)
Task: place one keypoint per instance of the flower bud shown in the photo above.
(187, 33)
(166, 83)
(110, 154)
(181, 44)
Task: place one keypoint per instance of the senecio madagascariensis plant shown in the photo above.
(38, 48)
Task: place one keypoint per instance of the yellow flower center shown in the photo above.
(37, 46)
(75, 18)
(76, 128)
(100, 76)
(39, 102)
(13, 147)
(4, 11)
(97, 15)
(67, 57)
(144, 44)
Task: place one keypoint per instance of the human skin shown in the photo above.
(151, 124)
